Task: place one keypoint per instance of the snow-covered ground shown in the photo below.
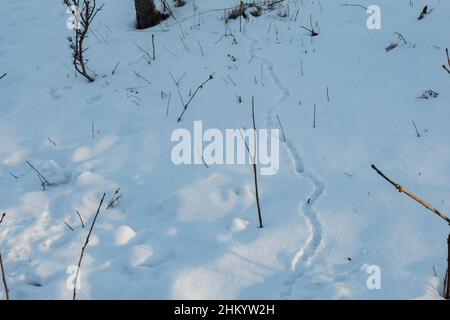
(191, 232)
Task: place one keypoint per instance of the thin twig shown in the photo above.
(411, 195)
(84, 247)
(282, 130)
(201, 49)
(115, 68)
(255, 174)
(177, 82)
(153, 46)
(168, 104)
(68, 225)
(3, 217)
(203, 159)
(211, 76)
(51, 141)
(115, 199)
(38, 173)
(5, 285)
(353, 5)
(400, 36)
(253, 156)
(144, 51)
(13, 175)
(448, 57)
(139, 76)
(448, 61)
(447, 282)
(4, 75)
(417, 131)
(81, 219)
(314, 120)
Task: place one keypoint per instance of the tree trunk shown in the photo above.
(146, 14)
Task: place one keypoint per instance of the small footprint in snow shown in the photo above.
(54, 93)
(94, 99)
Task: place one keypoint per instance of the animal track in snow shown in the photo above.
(305, 254)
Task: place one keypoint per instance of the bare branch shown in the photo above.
(211, 76)
(81, 219)
(411, 195)
(84, 17)
(84, 247)
(5, 284)
(43, 179)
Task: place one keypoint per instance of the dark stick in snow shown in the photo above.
(5, 285)
(153, 46)
(84, 247)
(314, 120)
(312, 32)
(353, 5)
(417, 131)
(13, 175)
(447, 283)
(448, 61)
(68, 226)
(253, 159)
(400, 36)
(1, 77)
(203, 159)
(201, 48)
(168, 104)
(3, 217)
(139, 76)
(115, 68)
(39, 174)
(282, 130)
(147, 55)
(255, 174)
(423, 13)
(211, 76)
(81, 219)
(115, 199)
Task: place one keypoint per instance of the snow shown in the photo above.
(139, 255)
(123, 235)
(191, 232)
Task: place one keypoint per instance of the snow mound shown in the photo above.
(139, 255)
(238, 225)
(123, 235)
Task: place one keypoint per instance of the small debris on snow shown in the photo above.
(428, 94)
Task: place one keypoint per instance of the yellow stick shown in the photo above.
(412, 195)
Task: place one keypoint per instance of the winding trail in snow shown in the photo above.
(302, 259)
